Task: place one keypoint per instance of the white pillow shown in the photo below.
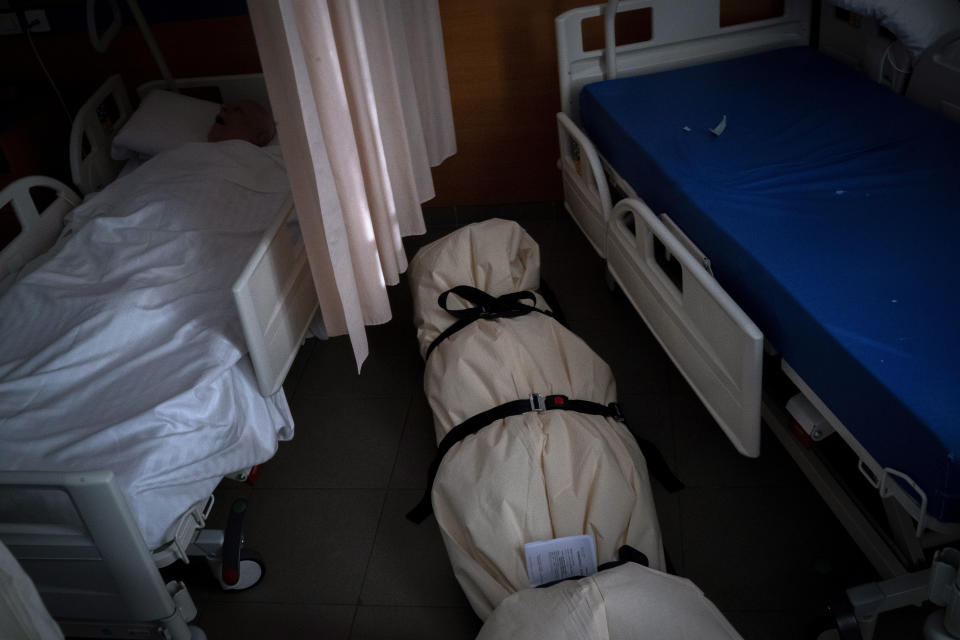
(917, 23)
(163, 121)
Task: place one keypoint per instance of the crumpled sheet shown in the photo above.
(121, 347)
(534, 476)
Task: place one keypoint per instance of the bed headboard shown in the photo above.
(683, 34)
(109, 108)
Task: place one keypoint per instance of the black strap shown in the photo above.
(625, 554)
(536, 402)
(552, 301)
(486, 307)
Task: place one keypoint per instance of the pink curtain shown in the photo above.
(360, 94)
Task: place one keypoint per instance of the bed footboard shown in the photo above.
(38, 229)
(713, 343)
(76, 538)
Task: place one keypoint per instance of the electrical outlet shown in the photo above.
(9, 25)
(37, 20)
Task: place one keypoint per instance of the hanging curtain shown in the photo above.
(360, 94)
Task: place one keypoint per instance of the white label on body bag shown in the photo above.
(552, 560)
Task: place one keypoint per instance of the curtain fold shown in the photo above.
(349, 87)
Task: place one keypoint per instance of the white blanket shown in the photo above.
(121, 347)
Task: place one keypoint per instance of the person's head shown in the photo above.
(245, 120)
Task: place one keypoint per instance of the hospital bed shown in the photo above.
(796, 272)
(58, 522)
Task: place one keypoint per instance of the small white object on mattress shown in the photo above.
(125, 334)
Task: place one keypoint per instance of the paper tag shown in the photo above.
(552, 560)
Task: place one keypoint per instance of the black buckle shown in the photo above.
(540, 402)
(537, 402)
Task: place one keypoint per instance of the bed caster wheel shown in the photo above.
(240, 568)
(251, 570)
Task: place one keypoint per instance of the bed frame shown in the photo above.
(713, 343)
(276, 302)
(89, 560)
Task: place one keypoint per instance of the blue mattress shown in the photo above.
(829, 208)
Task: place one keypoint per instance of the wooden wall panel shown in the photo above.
(501, 61)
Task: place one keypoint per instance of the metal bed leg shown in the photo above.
(940, 584)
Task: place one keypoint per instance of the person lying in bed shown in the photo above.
(245, 120)
(165, 121)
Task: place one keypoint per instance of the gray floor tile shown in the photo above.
(671, 527)
(762, 549)
(315, 543)
(256, 621)
(331, 371)
(409, 564)
(648, 417)
(707, 458)
(903, 624)
(415, 623)
(297, 368)
(771, 625)
(340, 443)
(418, 445)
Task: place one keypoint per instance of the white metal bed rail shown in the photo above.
(276, 300)
(716, 347)
(585, 188)
(91, 166)
(39, 229)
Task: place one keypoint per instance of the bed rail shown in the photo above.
(97, 121)
(683, 34)
(585, 189)
(713, 343)
(38, 229)
(276, 300)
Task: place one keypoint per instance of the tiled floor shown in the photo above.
(342, 562)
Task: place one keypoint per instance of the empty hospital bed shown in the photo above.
(807, 212)
(125, 366)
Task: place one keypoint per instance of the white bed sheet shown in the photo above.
(121, 348)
